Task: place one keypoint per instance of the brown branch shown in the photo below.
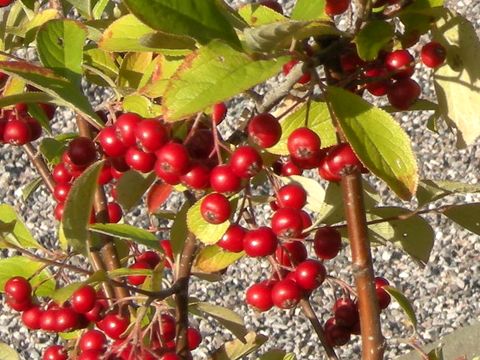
(364, 8)
(40, 165)
(372, 338)
(56, 5)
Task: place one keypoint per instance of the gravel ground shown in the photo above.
(446, 292)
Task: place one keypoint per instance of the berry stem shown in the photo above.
(40, 165)
(372, 338)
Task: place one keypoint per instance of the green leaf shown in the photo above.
(168, 43)
(201, 20)
(38, 113)
(52, 150)
(378, 140)
(432, 190)
(30, 188)
(179, 232)
(309, 10)
(78, 207)
(156, 77)
(101, 60)
(213, 258)
(280, 35)
(132, 186)
(207, 233)
(413, 234)
(83, 6)
(315, 191)
(457, 83)
(420, 105)
(226, 317)
(142, 106)
(277, 355)
(60, 48)
(257, 15)
(318, 120)
(22, 266)
(236, 349)
(195, 85)
(18, 235)
(65, 292)
(54, 85)
(466, 215)
(123, 272)
(14, 86)
(7, 353)
(132, 68)
(404, 304)
(372, 38)
(129, 232)
(29, 28)
(28, 98)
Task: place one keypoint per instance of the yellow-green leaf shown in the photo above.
(213, 258)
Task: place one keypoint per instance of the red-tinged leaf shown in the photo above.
(157, 196)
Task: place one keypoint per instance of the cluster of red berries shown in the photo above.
(86, 308)
(149, 260)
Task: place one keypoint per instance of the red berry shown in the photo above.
(326, 173)
(105, 174)
(219, 111)
(310, 274)
(433, 54)
(166, 176)
(96, 313)
(215, 208)
(31, 317)
(401, 63)
(91, 355)
(20, 305)
(138, 279)
(115, 212)
(166, 246)
(18, 289)
(292, 196)
(346, 312)
(327, 243)
(35, 128)
(17, 132)
(304, 79)
(167, 327)
(260, 242)
(140, 160)
(384, 298)
(311, 162)
(60, 192)
(246, 162)
(194, 338)
(404, 93)
(58, 212)
(350, 62)
(272, 4)
(289, 169)
(48, 320)
(198, 177)
(55, 352)
(232, 240)
(48, 109)
(170, 356)
(4, 3)
(110, 143)
(223, 180)
(84, 299)
(377, 87)
(286, 294)
(113, 325)
(125, 127)
(336, 335)
(92, 340)
(264, 130)
(291, 253)
(119, 166)
(173, 158)
(259, 296)
(61, 175)
(303, 143)
(287, 222)
(336, 7)
(151, 135)
(341, 157)
(150, 257)
(82, 151)
(66, 320)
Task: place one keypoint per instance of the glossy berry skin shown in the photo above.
(384, 298)
(105, 174)
(404, 93)
(167, 176)
(433, 54)
(60, 192)
(194, 338)
(96, 313)
(264, 130)
(48, 320)
(17, 132)
(400, 63)
(287, 222)
(303, 143)
(18, 289)
(66, 320)
(310, 274)
(291, 253)
(115, 212)
(173, 158)
(289, 169)
(92, 340)
(55, 352)
(138, 279)
(110, 143)
(346, 312)
(198, 177)
(336, 7)
(246, 162)
(327, 243)
(151, 135)
(327, 174)
(215, 208)
(232, 240)
(342, 157)
(335, 334)
(292, 196)
(223, 179)
(58, 212)
(304, 79)
(311, 162)
(83, 299)
(113, 325)
(272, 4)
(31, 317)
(20, 305)
(219, 111)
(377, 87)
(167, 326)
(286, 294)
(125, 127)
(259, 296)
(61, 175)
(140, 160)
(150, 257)
(170, 356)
(82, 151)
(91, 355)
(260, 242)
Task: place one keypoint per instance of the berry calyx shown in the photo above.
(215, 208)
(287, 222)
(172, 158)
(303, 143)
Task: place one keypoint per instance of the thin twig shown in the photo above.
(40, 165)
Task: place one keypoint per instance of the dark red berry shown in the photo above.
(167, 327)
(400, 63)
(291, 253)
(378, 87)
(310, 274)
(198, 177)
(286, 294)
(194, 338)
(35, 128)
(4, 3)
(215, 208)
(404, 93)
(232, 240)
(259, 296)
(60, 192)
(289, 169)
(219, 111)
(82, 151)
(336, 335)
(384, 298)
(433, 54)
(303, 143)
(138, 279)
(260, 242)
(342, 157)
(264, 130)
(166, 246)
(66, 320)
(17, 132)
(58, 212)
(336, 7)
(139, 160)
(150, 257)
(105, 174)
(272, 4)
(246, 162)
(20, 305)
(346, 312)
(350, 62)
(84, 299)
(115, 212)
(326, 173)
(125, 127)
(223, 179)
(327, 243)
